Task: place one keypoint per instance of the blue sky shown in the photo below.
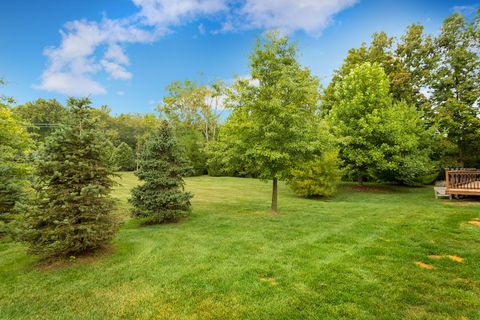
(124, 53)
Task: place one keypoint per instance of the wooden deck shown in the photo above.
(463, 182)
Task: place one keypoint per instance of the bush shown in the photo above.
(317, 177)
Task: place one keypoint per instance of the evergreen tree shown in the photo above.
(72, 215)
(123, 157)
(161, 198)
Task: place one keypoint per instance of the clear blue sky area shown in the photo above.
(123, 53)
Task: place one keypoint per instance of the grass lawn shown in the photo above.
(351, 257)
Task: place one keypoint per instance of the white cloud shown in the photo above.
(70, 84)
(466, 10)
(90, 47)
(72, 64)
(311, 16)
(120, 93)
(163, 13)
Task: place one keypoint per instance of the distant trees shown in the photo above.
(72, 212)
(123, 157)
(42, 116)
(161, 197)
(379, 139)
(194, 112)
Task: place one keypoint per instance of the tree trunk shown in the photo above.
(274, 196)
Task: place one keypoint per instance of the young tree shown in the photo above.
(15, 143)
(274, 120)
(161, 198)
(123, 157)
(74, 182)
(379, 139)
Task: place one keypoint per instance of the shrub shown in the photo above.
(317, 177)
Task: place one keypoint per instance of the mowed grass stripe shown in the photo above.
(352, 257)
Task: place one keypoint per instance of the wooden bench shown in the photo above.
(441, 192)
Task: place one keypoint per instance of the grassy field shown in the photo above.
(380, 253)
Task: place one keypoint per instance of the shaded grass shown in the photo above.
(350, 257)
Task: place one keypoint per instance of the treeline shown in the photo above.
(192, 110)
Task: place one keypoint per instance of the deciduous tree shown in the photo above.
(274, 117)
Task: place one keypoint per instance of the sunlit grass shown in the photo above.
(353, 256)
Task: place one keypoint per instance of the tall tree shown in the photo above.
(74, 182)
(161, 196)
(274, 120)
(455, 83)
(379, 139)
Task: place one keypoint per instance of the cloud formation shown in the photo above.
(90, 47)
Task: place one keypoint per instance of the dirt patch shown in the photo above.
(84, 259)
(474, 222)
(424, 265)
(456, 258)
(270, 280)
(451, 257)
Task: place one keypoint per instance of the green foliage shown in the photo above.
(123, 157)
(42, 115)
(405, 66)
(161, 198)
(455, 84)
(193, 111)
(193, 144)
(108, 154)
(379, 139)
(320, 175)
(274, 118)
(15, 144)
(72, 213)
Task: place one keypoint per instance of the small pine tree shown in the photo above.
(123, 157)
(161, 198)
(72, 213)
